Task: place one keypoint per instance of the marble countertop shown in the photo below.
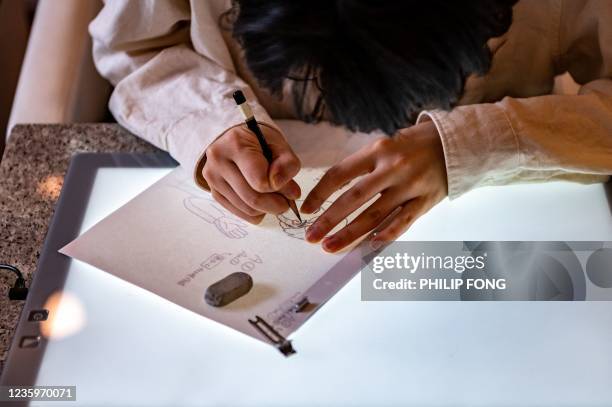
(31, 175)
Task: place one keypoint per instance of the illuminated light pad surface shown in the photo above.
(132, 347)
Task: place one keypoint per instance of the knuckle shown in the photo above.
(233, 140)
(212, 152)
(383, 144)
(375, 215)
(255, 200)
(406, 220)
(392, 232)
(260, 184)
(357, 193)
(207, 173)
(333, 173)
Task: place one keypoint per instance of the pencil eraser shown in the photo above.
(228, 289)
(239, 97)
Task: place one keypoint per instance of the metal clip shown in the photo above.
(282, 344)
(300, 305)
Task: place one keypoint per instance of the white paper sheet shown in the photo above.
(174, 240)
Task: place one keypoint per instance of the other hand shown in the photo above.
(407, 170)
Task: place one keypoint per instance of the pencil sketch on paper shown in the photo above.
(209, 211)
(296, 229)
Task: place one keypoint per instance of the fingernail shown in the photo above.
(294, 192)
(376, 244)
(330, 244)
(311, 234)
(307, 207)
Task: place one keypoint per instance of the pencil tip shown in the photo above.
(294, 209)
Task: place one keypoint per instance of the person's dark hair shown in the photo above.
(374, 63)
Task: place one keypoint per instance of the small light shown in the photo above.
(66, 316)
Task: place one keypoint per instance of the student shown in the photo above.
(475, 75)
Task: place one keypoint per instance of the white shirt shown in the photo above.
(174, 70)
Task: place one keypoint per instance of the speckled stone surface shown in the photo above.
(31, 174)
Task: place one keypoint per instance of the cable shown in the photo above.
(19, 291)
(13, 269)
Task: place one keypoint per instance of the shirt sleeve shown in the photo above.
(544, 137)
(165, 92)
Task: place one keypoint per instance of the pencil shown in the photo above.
(251, 123)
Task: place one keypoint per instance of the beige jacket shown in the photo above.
(174, 70)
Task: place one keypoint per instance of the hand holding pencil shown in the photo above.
(242, 179)
(251, 123)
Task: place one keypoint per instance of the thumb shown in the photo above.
(285, 164)
(291, 190)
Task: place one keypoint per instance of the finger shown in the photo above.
(346, 204)
(227, 205)
(263, 202)
(291, 190)
(246, 152)
(226, 190)
(285, 164)
(254, 168)
(336, 177)
(366, 221)
(409, 213)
